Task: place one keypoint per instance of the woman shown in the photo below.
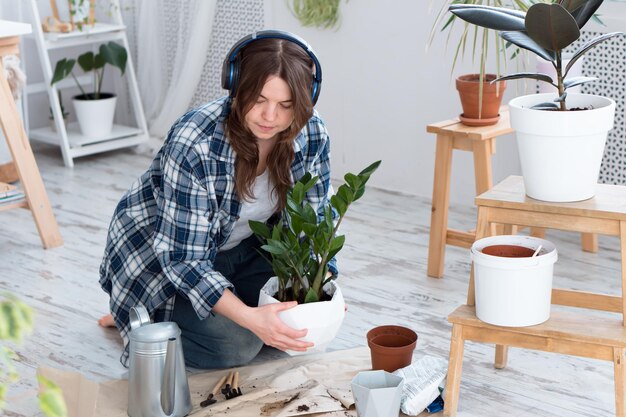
(179, 242)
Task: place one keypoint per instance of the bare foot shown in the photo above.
(106, 321)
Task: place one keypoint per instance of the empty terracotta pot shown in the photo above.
(391, 347)
(508, 251)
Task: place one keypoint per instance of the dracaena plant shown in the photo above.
(545, 29)
(300, 246)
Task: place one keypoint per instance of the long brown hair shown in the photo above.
(260, 60)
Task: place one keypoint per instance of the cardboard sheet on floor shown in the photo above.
(293, 386)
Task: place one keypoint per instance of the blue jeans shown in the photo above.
(218, 342)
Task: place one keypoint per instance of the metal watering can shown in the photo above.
(157, 381)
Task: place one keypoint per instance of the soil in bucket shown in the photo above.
(508, 251)
(391, 347)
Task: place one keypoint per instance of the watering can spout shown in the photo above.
(168, 385)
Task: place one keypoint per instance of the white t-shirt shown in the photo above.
(260, 209)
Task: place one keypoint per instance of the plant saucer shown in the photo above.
(478, 122)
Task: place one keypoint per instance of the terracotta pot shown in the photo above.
(391, 347)
(469, 91)
(508, 251)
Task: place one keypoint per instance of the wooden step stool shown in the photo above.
(481, 141)
(573, 333)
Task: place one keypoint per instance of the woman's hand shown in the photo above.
(263, 322)
(267, 325)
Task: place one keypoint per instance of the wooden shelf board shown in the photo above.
(563, 324)
(99, 32)
(77, 139)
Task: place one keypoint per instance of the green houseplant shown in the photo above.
(322, 14)
(479, 97)
(301, 246)
(94, 109)
(560, 151)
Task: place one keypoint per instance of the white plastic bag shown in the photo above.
(421, 383)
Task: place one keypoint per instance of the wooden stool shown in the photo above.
(35, 197)
(481, 141)
(572, 333)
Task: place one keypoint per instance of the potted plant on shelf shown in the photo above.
(480, 98)
(560, 136)
(301, 246)
(94, 110)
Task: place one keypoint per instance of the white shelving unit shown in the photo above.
(73, 144)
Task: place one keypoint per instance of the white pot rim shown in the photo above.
(549, 256)
(524, 102)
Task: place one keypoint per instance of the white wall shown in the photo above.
(381, 88)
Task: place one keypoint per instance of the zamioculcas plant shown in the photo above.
(300, 245)
(545, 29)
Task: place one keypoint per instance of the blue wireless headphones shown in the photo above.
(232, 64)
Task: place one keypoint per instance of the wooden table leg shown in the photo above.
(28, 172)
(483, 173)
(589, 242)
(455, 367)
(620, 381)
(622, 244)
(441, 200)
(502, 355)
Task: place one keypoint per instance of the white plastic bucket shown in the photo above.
(513, 292)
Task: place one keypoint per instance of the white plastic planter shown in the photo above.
(561, 151)
(377, 394)
(95, 117)
(322, 319)
(513, 292)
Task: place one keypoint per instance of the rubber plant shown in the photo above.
(16, 321)
(109, 53)
(545, 29)
(301, 245)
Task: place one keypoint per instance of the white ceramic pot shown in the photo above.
(377, 394)
(513, 292)
(95, 117)
(322, 319)
(561, 151)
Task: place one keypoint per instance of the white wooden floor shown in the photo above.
(383, 278)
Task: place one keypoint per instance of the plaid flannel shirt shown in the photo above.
(168, 227)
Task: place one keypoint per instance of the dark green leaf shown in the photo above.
(297, 193)
(309, 214)
(551, 26)
(345, 194)
(582, 10)
(586, 47)
(522, 40)
(532, 75)
(369, 170)
(574, 81)
(352, 180)
(114, 54)
(336, 245)
(497, 18)
(98, 61)
(259, 229)
(545, 106)
(87, 61)
(62, 69)
(339, 204)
